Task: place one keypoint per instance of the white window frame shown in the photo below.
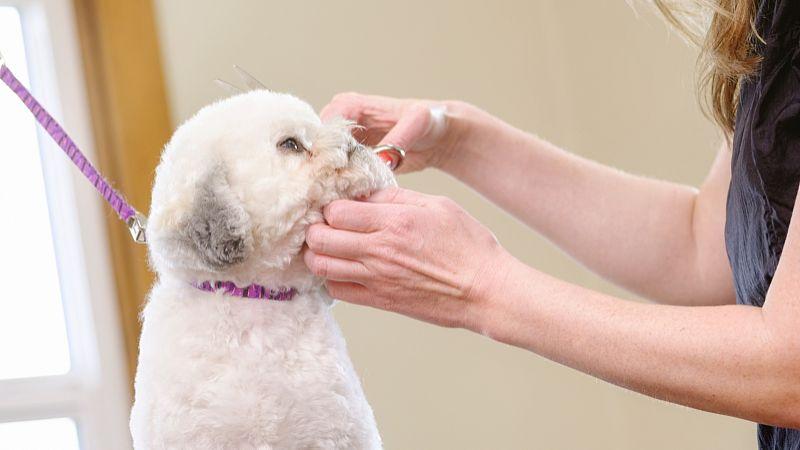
(95, 392)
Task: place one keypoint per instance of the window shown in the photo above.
(63, 383)
(35, 319)
(44, 434)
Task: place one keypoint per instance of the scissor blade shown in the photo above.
(250, 81)
(227, 87)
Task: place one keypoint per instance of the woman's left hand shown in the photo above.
(402, 251)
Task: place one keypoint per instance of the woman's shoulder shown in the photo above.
(778, 20)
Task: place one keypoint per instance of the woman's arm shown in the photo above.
(735, 360)
(661, 240)
(425, 257)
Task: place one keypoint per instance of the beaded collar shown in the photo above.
(255, 291)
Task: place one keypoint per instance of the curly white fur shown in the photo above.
(230, 204)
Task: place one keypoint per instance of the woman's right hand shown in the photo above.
(423, 128)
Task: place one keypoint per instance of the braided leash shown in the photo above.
(135, 221)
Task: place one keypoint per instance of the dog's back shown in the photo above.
(218, 372)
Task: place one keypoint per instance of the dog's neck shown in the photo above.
(309, 301)
(271, 284)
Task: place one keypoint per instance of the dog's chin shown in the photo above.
(364, 194)
(372, 175)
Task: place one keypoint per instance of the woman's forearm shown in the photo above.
(659, 239)
(728, 359)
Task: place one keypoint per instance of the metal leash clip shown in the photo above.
(137, 225)
(392, 155)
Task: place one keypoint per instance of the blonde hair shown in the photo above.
(724, 30)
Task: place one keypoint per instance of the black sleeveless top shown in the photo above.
(765, 169)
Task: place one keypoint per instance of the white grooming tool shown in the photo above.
(250, 81)
(227, 87)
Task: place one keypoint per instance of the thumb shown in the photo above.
(410, 128)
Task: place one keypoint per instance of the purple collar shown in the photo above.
(252, 291)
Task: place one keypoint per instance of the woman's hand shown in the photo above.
(423, 128)
(416, 254)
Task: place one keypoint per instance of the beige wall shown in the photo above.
(588, 75)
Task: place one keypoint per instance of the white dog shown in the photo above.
(236, 188)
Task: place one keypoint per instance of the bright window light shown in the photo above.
(39, 434)
(33, 338)
(63, 382)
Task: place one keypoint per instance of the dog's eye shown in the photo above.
(292, 145)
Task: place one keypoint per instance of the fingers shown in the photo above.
(411, 127)
(324, 240)
(342, 105)
(358, 294)
(348, 292)
(373, 214)
(334, 268)
(361, 108)
(386, 120)
(354, 216)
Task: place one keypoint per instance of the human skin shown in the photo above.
(425, 257)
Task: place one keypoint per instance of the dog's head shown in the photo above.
(239, 183)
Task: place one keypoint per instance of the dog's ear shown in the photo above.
(218, 227)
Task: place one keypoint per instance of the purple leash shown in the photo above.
(135, 221)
